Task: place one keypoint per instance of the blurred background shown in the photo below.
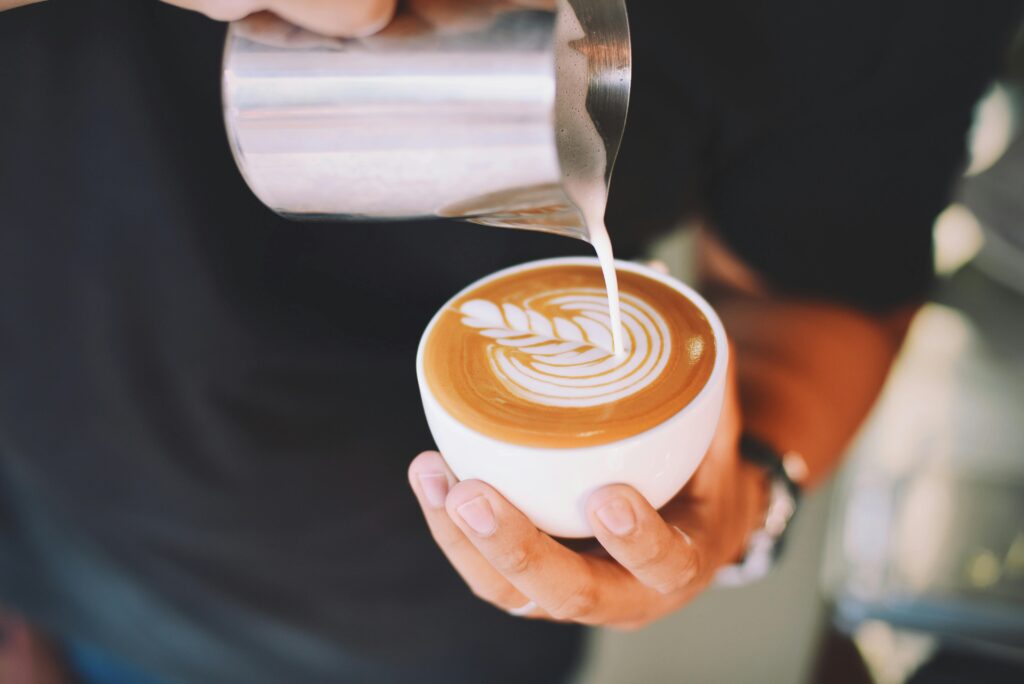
(918, 543)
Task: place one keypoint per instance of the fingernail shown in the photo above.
(435, 488)
(617, 516)
(478, 514)
(524, 609)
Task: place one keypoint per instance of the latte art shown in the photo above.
(567, 360)
(527, 357)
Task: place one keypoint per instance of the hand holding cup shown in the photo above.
(649, 562)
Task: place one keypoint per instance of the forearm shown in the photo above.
(808, 371)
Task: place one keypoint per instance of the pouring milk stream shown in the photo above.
(584, 158)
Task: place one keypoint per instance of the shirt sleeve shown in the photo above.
(827, 176)
(819, 139)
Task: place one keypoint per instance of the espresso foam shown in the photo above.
(564, 356)
(528, 358)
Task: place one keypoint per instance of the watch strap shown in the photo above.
(765, 544)
(759, 452)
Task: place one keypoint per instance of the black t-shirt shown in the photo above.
(204, 419)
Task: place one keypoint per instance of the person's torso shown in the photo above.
(215, 404)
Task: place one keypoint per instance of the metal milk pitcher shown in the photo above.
(497, 117)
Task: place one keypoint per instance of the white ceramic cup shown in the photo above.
(551, 485)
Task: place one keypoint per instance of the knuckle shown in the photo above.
(683, 572)
(690, 574)
(515, 560)
(671, 585)
(650, 557)
(579, 604)
(687, 577)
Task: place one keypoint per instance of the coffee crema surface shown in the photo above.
(527, 358)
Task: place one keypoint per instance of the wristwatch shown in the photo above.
(765, 544)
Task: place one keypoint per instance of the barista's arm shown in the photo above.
(808, 370)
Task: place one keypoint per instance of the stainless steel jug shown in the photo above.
(493, 118)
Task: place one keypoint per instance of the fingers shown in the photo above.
(351, 18)
(658, 554)
(10, 4)
(431, 480)
(563, 584)
(221, 10)
(507, 561)
(659, 266)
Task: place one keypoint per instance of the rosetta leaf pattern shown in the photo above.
(530, 331)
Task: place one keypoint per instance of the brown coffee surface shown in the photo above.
(526, 358)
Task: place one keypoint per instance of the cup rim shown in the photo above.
(716, 378)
